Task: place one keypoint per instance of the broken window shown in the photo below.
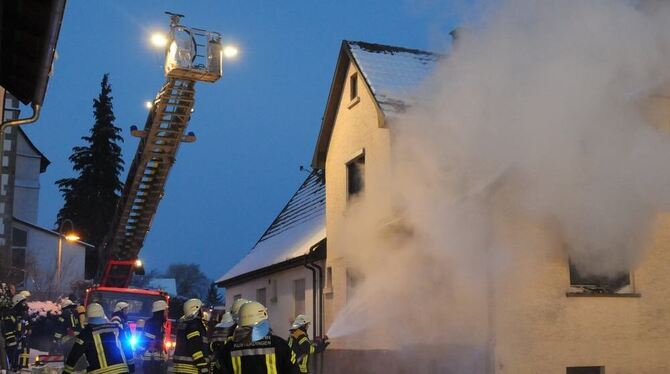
(585, 370)
(597, 283)
(356, 175)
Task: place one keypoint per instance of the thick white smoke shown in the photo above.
(554, 111)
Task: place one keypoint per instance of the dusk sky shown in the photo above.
(255, 127)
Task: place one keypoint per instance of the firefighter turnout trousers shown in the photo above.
(270, 355)
(153, 359)
(189, 354)
(10, 334)
(103, 350)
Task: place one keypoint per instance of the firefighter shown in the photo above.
(11, 329)
(67, 327)
(235, 309)
(99, 342)
(222, 332)
(299, 342)
(23, 332)
(154, 357)
(120, 318)
(189, 354)
(254, 349)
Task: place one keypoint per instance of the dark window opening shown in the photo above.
(597, 283)
(585, 370)
(19, 257)
(356, 175)
(19, 238)
(353, 86)
(261, 296)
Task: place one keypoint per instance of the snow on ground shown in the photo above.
(43, 307)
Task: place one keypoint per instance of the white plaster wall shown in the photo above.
(281, 310)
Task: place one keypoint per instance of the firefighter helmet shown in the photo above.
(226, 321)
(299, 322)
(25, 293)
(192, 307)
(121, 305)
(65, 302)
(94, 310)
(16, 299)
(158, 306)
(235, 308)
(252, 312)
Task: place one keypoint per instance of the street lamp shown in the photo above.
(70, 236)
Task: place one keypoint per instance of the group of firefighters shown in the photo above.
(240, 342)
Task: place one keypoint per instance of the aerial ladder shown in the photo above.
(192, 55)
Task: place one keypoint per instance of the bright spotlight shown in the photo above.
(159, 39)
(230, 51)
(148, 104)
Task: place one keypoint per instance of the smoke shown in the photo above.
(544, 129)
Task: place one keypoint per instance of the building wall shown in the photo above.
(26, 181)
(535, 327)
(358, 128)
(281, 303)
(41, 262)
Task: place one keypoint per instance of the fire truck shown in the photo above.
(192, 55)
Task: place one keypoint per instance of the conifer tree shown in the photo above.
(213, 296)
(91, 197)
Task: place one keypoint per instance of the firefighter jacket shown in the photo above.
(220, 336)
(67, 324)
(154, 335)
(190, 350)
(102, 348)
(10, 330)
(299, 342)
(124, 333)
(270, 355)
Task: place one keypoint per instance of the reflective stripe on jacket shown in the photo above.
(102, 348)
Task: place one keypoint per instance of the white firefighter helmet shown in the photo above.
(120, 306)
(65, 302)
(299, 322)
(94, 310)
(226, 321)
(19, 297)
(191, 307)
(252, 313)
(235, 308)
(25, 293)
(158, 306)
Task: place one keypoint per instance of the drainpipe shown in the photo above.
(309, 266)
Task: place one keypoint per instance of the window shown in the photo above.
(355, 175)
(299, 296)
(353, 86)
(329, 280)
(585, 370)
(261, 296)
(597, 284)
(19, 244)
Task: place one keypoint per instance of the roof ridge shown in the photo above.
(376, 47)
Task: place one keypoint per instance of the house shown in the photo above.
(284, 268)
(547, 318)
(33, 255)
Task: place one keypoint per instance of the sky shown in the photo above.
(255, 127)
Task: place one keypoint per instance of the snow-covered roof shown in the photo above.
(393, 73)
(168, 285)
(297, 228)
